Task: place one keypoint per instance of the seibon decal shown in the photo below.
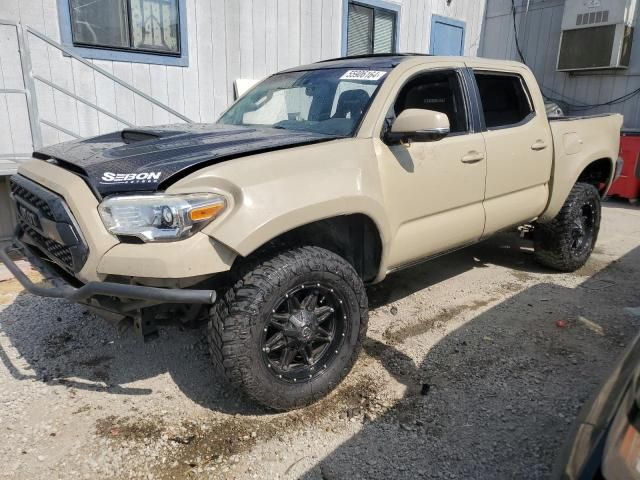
(110, 178)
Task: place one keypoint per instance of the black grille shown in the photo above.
(31, 199)
(47, 224)
(52, 247)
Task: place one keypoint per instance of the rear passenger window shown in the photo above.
(505, 99)
(439, 91)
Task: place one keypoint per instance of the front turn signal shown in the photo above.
(206, 212)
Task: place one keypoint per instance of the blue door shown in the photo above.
(447, 36)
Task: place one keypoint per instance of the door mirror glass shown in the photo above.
(418, 125)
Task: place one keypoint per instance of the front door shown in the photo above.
(434, 189)
(447, 36)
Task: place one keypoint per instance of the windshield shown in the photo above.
(326, 101)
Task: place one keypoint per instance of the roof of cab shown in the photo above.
(366, 62)
(392, 60)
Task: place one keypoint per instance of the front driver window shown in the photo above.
(440, 91)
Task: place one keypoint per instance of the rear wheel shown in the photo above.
(291, 328)
(567, 241)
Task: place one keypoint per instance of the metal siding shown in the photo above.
(7, 215)
(227, 40)
(218, 38)
(106, 98)
(539, 34)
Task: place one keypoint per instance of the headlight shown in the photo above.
(160, 217)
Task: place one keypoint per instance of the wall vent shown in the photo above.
(590, 18)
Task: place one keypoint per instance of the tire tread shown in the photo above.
(231, 317)
(551, 240)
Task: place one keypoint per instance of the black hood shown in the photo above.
(148, 159)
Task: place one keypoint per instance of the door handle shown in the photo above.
(472, 157)
(539, 145)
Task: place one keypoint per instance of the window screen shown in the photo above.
(370, 30)
(505, 99)
(139, 25)
(439, 91)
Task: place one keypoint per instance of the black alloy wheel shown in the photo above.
(305, 332)
(583, 229)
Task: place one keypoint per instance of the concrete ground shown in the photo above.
(476, 365)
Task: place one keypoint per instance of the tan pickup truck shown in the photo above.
(320, 180)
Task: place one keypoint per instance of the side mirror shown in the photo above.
(416, 124)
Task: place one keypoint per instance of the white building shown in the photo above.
(78, 68)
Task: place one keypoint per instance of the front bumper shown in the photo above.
(94, 290)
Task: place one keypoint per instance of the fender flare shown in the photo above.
(562, 183)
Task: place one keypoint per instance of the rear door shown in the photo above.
(519, 149)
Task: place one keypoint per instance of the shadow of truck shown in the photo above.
(496, 397)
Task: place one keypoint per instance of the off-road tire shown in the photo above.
(553, 241)
(238, 318)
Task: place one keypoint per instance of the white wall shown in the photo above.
(539, 37)
(228, 39)
(415, 22)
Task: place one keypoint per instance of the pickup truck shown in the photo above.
(318, 181)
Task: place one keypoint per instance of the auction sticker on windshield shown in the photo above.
(363, 75)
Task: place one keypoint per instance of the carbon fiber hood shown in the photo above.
(150, 159)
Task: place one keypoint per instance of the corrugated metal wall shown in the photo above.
(6, 211)
(539, 37)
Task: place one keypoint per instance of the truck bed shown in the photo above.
(578, 142)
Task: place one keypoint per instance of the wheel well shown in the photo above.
(597, 173)
(354, 237)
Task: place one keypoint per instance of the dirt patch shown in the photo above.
(521, 276)
(9, 289)
(57, 344)
(396, 336)
(593, 266)
(197, 444)
(128, 428)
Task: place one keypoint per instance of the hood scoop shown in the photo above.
(130, 135)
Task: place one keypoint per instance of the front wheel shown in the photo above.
(291, 328)
(567, 241)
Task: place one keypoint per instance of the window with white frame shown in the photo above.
(146, 26)
(370, 29)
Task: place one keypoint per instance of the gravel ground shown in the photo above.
(475, 366)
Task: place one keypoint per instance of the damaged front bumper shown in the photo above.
(139, 295)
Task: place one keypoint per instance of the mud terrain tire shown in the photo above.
(274, 304)
(566, 243)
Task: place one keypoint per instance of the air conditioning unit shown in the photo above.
(596, 34)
